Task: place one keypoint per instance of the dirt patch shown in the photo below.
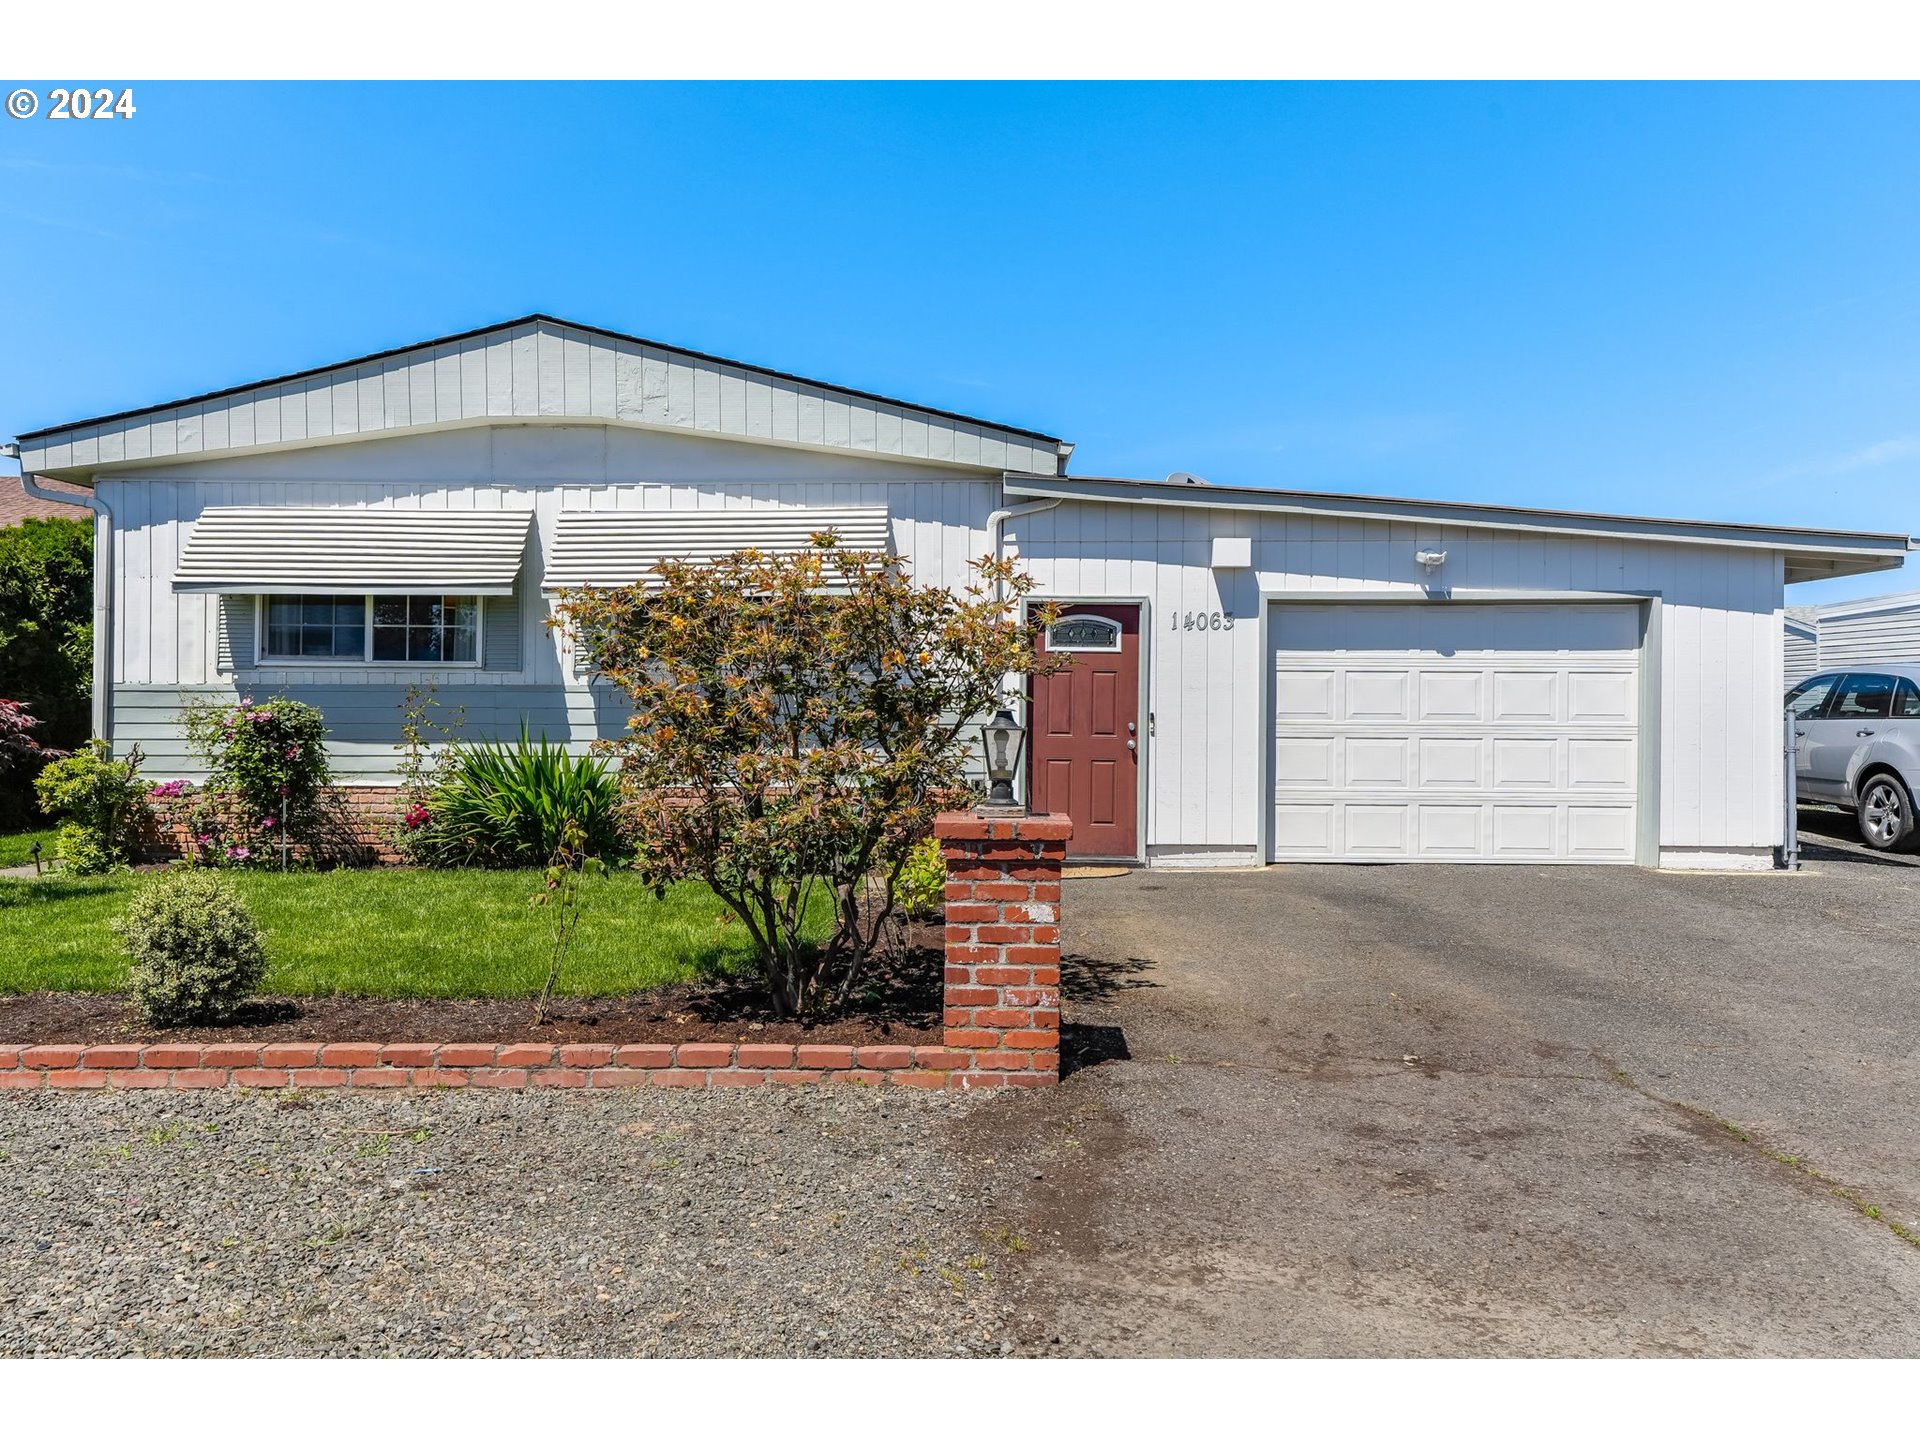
(899, 1004)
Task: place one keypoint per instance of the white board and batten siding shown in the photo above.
(169, 647)
(1716, 664)
(542, 370)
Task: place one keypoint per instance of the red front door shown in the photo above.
(1086, 730)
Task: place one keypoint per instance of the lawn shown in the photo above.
(410, 933)
(17, 849)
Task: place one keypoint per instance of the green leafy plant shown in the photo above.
(196, 952)
(797, 722)
(922, 886)
(267, 775)
(560, 893)
(511, 805)
(102, 803)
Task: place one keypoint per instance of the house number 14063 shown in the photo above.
(1202, 620)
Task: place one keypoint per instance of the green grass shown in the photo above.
(17, 849)
(413, 933)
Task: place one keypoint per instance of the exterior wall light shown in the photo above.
(1003, 738)
(1429, 560)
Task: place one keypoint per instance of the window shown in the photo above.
(1864, 697)
(316, 627)
(426, 629)
(1083, 632)
(376, 629)
(1809, 697)
(1906, 700)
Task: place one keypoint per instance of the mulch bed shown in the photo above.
(899, 1004)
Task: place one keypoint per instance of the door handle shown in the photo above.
(1799, 734)
(1132, 746)
(1862, 733)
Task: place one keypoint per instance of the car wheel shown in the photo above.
(1886, 814)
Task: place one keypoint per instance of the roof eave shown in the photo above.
(1819, 553)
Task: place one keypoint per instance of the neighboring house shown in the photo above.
(1877, 630)
(16, 505)
(1800, 637)
(1261, 674)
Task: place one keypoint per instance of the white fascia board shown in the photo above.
(1870, 605)
(1848, 552)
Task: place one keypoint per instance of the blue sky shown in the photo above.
(1694, 301)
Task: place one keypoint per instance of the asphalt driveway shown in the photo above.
(1437, 1110)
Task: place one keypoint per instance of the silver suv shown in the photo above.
(1857, 741)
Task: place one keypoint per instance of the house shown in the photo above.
(1261, 674)
(1876, 630)
(16, 505)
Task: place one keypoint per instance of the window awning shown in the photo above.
(288, 550)
(620, 547)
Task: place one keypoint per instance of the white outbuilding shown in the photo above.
(1260, 675)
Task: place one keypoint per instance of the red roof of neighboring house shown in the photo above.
(16, 505)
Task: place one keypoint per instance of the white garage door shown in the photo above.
(1455, 731)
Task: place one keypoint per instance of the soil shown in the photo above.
(900, 1005)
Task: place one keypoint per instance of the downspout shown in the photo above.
(102, 588)
(998, 519)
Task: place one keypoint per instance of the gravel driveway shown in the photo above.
(828, 1221)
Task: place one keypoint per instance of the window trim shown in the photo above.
(1115, 631)
(263, 661)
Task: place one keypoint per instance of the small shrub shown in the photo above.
(196, 951)
(921, 888)
(101, 802)
(511, 805)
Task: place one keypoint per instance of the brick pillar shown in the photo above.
(1002, 1006)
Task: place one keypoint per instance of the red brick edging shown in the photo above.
(455, 1066)
(1001, 1014)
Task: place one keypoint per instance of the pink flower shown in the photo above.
(293, 752)
(267, 824)
(239, 852)
(206, 839)
(417, 816)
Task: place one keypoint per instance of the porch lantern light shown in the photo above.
(1003, 739)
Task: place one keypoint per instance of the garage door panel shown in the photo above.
(1600, 764)
(1450, 695)
(1525, 763)
(1452, 762)
(1524, 831)
(1601, 697)
(1304, 695)
(1526, 695)
(1378, 830)
(1303, 830)
(1451, 830)
(1459, 732)
(1377, 695)
(1375, 760)
(1304, 760)
(1599, 832)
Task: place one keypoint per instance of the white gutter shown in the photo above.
(102, 588)
(998, 519)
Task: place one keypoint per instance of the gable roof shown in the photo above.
(535, 369)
